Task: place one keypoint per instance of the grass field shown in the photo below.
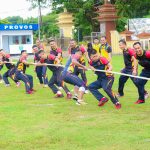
(40, 122)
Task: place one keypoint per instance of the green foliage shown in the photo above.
(15, 19)
(4, 21)
(49, 25)
(148, 15)
(84, 12)
(30, 20)
(132, 8)
(121, 22)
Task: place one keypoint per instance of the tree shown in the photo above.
(39, 4)
(30, 20)
(43, 3)
(50, 28)
(4, 21)
(130, 9)
(84, 11)
(15, 19)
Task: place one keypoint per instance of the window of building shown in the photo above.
(16, 40)
(21, 39)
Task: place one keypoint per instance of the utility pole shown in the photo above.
(39, 19)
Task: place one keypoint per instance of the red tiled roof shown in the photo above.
(143, 35)
(127, 32)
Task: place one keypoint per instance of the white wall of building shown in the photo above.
(6, 41)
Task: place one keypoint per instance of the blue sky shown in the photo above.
(18, 8)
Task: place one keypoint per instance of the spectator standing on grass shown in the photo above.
(96, 44)
(105, 49)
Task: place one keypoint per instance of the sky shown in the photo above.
(18, 8)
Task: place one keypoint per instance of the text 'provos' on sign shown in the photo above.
(19, 27)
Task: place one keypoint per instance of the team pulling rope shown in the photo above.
(112, 72)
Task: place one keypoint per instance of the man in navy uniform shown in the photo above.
(104, 80)
(143, 58)
(20, 72)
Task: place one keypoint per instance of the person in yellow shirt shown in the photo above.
(96, 45)
(105, 48)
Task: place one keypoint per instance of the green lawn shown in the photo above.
(40, 122)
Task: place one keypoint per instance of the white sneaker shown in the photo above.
(81, 102)
(77, 103)
(7, 85)
(60, 88)
(86, 92)
(1, 81)
(45, 86)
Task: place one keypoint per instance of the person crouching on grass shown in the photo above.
(69, 77)
(11, 68)
(104, 80)
(20, 72)
(54, 81)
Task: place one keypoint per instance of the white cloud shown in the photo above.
(18, 8)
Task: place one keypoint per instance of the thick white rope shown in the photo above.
(124, 74)
(97, 70)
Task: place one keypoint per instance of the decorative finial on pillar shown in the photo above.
(106, 1)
